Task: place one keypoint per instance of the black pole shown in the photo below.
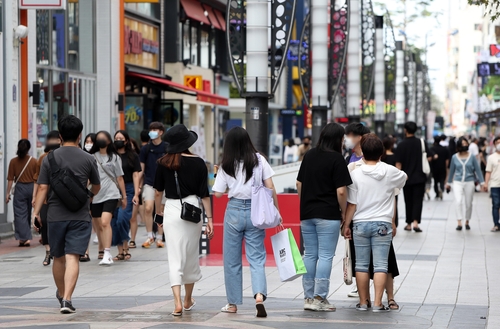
(319, 118)
(257, 117)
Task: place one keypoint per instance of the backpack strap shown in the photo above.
(52, 161)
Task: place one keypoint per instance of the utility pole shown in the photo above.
(353, 61)
(379, 76)
(400, 87)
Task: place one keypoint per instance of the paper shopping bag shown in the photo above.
(347, 264)
(287, 256)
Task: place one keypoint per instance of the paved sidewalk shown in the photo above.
(446, 281)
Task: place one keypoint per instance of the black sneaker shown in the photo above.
(67, 307)
(59, 298)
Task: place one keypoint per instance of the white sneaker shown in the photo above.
(353, 293)
(107, 259)
(96, 240)
(322, 306)
(308, 304)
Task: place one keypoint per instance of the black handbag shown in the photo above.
(189, 212)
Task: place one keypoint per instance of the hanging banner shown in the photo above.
(42, 4)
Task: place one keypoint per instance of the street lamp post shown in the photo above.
(400, 87)
(379, 76)
(353, 58)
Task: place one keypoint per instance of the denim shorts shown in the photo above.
(372, 238)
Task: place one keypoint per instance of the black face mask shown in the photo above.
(52, 147)
(119, 144)
(101, 143)
(462, 148)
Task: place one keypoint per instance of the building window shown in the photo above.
(478, 27)
(477, 49)
(198, 44)
(146, 9)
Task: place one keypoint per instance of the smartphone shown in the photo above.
(158, 219)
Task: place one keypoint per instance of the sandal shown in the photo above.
(126, 254)
(100, 255)
(229, 308)
(48, 258)
(85, 258)
(193, 304)
(132, 244)
(119, 257)
(495, 229)
(393, 305)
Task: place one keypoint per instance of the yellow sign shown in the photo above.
(142, 46)
(193, 81)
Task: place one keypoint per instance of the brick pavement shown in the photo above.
(446, 281)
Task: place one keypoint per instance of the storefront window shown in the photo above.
(186, 42)
(60, 96)
(205, 52)
(42, 112)
(194, 46)
(59, 38)
(147, 9)
(42, 37)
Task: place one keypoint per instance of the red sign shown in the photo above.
(135, 44)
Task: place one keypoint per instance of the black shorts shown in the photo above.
(96, 209)
(69, 237)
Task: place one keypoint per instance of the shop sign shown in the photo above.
(141, 46)
(193, 81)
(42, 4)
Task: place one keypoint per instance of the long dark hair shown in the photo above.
(459, 143)
(238, 147)
(129, 152)
(330, 139)
(136, 148)
(92, 137)
(110, 150)
(23, 147)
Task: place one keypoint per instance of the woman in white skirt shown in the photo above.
(182, 236)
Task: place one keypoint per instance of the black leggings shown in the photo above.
(414, 199)
(439, 182)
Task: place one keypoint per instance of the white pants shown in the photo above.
(464, 192)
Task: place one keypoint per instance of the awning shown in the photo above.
(202, 96)
(213, 18)
(195, 11)
(222, 20)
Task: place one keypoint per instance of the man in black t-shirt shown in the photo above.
(439, 166)
(409, 159)
(150, 153)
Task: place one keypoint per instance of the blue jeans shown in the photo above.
(120, 224)
(372, 238)
(238, 226)
(495, 199)
(320, 242)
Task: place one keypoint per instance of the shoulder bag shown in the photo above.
(189, 212)
(264, 214)
(426, 168)
(113, 179)
(13, 188)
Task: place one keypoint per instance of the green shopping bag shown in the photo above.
(287, 256)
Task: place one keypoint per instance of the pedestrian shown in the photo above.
(492, 182)
(304, 147)
(112, 192)
(68, 231)
(409, 159)
(354, 132)
(120, 224)
(483, 154)
(52, 142)
(464, 169)
(291, 152)
(372, 215)
(473, 148)
(235, 174)
(439, 166)
(88, 142)
(151, 152)
(322, 188)
(20, 185)
(135, 211)
(183, 178)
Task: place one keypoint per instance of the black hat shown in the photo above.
(179, 139)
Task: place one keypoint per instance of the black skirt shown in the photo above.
(392, 266)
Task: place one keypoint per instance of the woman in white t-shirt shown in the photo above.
(236, 175)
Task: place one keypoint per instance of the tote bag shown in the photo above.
(347, 264)
(426, 168)
(287, 256)
(264, 214)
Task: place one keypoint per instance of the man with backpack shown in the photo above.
(150, 153)
(63, 179)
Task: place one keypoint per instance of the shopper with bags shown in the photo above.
(372, 215)
(20, 183)
(112, 194)
(240, 163)
(464, 169)
(183, 177)
(322, 187)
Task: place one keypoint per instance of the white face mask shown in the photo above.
(348, 143)
(88, 147)
(497, 147)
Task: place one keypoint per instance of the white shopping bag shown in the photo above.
(287, 256)
(347, 264)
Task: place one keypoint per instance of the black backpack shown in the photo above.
(67, 186)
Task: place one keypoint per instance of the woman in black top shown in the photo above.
(131, 166)
(182, 237)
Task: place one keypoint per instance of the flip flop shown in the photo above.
(174, 313)
(393, 305)
(229, 309)
(192, 305)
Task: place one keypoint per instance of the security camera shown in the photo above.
(21, 32)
